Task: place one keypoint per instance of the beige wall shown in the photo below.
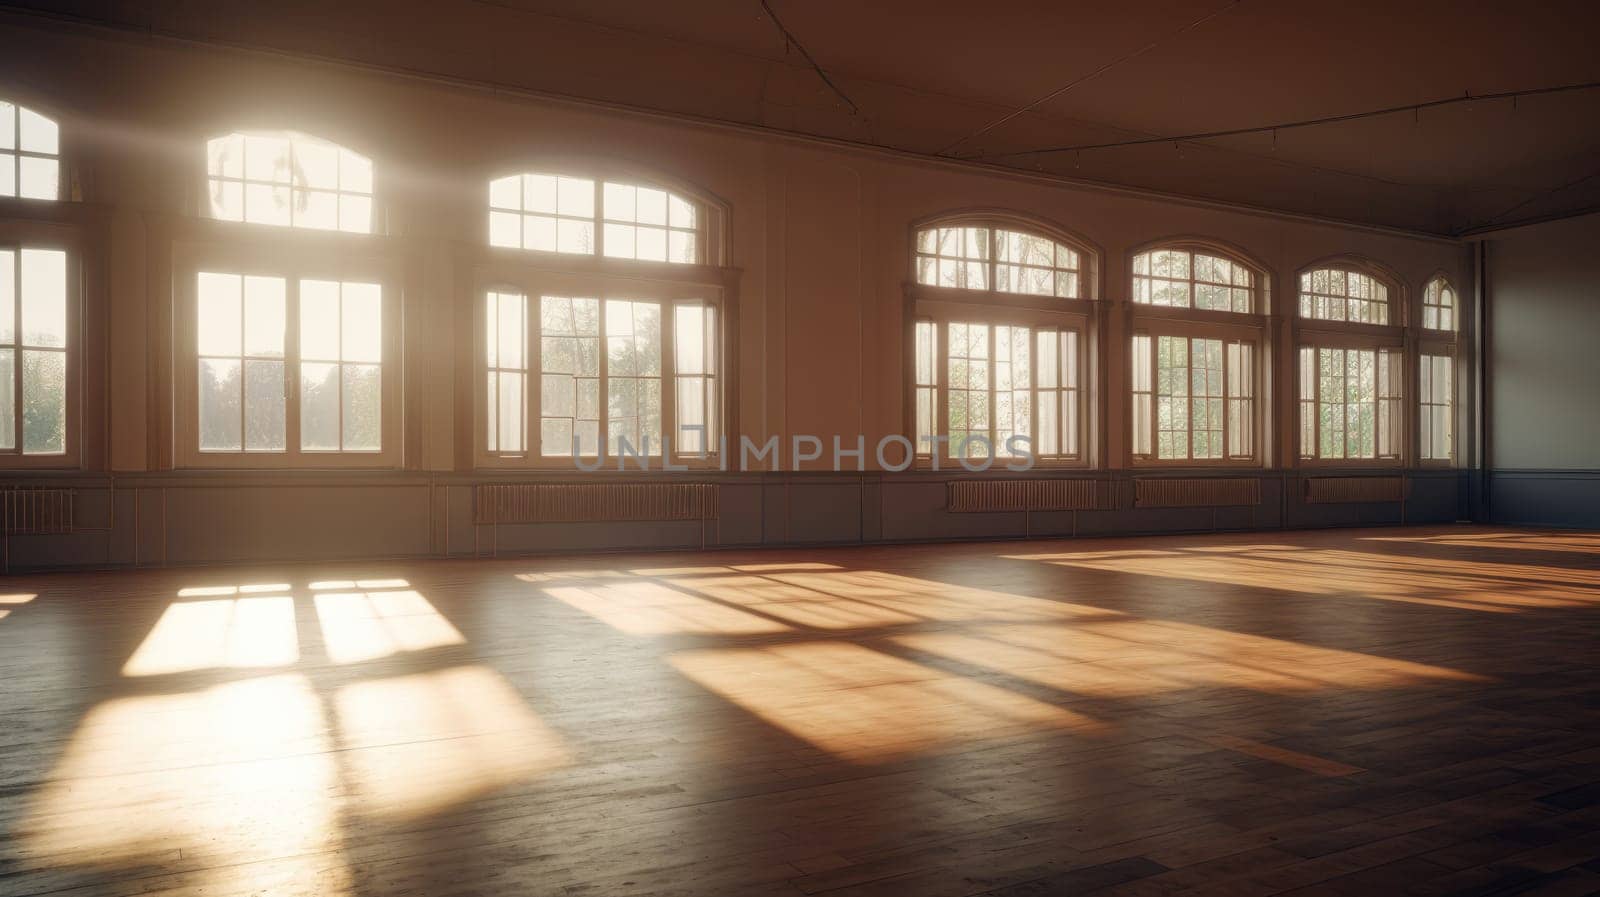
(820, 234)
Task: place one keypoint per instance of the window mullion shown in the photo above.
(668, 368)
(291, 367)
(941, 379)
(533, 378)
(603, 403)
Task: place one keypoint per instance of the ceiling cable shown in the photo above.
(1415, 108)
(789, 40)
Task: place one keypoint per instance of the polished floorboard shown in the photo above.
(1354, 712)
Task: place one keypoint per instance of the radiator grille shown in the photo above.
(29, 510)
(966, 496)
(584, 502)
(1195, 492)
(1347, 490)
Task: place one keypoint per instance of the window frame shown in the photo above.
(1253, 326)
(943, 306)
(1255, 336)
(303, 254)
(17, 234)
(201, 206)
(1333, 334)
(536, 282)
(1319, 340)
(62, 158)
(1438, 342)
(710, 213)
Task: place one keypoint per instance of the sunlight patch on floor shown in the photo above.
(414, 744)
(218, 633)
(201, 783)
(865, 706)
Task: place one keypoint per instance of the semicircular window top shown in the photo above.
(289, 179)
(587, 216)
(1342, 294)
(1183, 278)
(30, 150)
(983, 257)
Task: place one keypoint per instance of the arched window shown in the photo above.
(1439, 305)
(1351, 365)
(290, 180)
(589, 216)
(30, 149)
(999, 344)
(977, 257)
(1184, 278)
(1344, 294)
(1436, 379)
(588, 360)
(1195, 373)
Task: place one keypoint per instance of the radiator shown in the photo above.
(586, 502)
(29, 510)
(1195, 492)
(1346, 490)
(965, 496)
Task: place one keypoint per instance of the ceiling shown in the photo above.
(987, 81)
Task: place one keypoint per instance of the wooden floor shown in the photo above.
(1351, 713)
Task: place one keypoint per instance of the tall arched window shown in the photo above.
(1351, 364)
(291, 351)
(1436, 380)
(30, 149)
(1439, 305)
(999, 342)
(289, 179)
(608, 357)
(1196, 365)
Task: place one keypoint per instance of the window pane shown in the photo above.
(316, 164)
(319, 407)
(510, 331)
(266, 204)
(8, 296)
(363, 407)
(263, 316)
(508, 410)
(8, 126)
(355, 172)
(44, 298)
(575, 236)
(316, 209)
(264, 405)
(227, 200)
(620, 241)
(505, 229)
(538, 193)
(319, 320)
(506, 193)
(575, 197)
(691, 409)
(491, 405)
(39, 178)
(8, 399)
(218, 318)
(220, 391)
(361, 324)
(683, 248)
(689, 330)
(38, 134)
